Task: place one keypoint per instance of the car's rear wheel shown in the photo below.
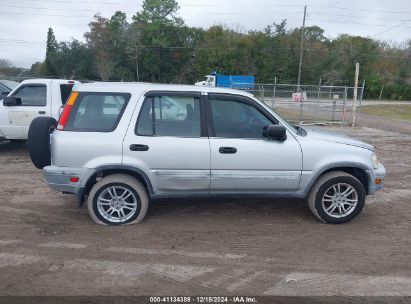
(337, 197)
(118, 199)
(38, 141)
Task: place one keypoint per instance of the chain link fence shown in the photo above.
(322, 104)
(315, 103)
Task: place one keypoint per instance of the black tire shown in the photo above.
(124, 181)
(315, 199)
(38, 141)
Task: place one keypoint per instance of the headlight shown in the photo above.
(375, 161)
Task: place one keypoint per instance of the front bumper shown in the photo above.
(378, 173)
(58, 178)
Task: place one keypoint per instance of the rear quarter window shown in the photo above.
(97, 112)
(65, 90)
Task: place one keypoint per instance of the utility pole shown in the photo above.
(354, 108)
(301, 50)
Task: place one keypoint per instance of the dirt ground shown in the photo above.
(210, 247)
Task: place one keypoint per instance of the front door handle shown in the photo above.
(135, 147)
(227, 150)
(42, 112)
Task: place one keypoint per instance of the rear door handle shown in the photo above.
(135, 147)
(227, 150)
(42, 112)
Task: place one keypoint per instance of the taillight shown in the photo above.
(66, 111)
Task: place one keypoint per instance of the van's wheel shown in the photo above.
(38, 141)
(118, 199)
(337, 197)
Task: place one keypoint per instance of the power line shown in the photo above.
(180, 5)
(353, 16)
(293, 19)
(236, 5)
(311, 49)
(391, 28)
(359, 23)
(362, 9)
(202, 12)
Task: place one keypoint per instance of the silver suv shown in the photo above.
(119, 145)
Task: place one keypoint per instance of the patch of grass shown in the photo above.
(390, 111)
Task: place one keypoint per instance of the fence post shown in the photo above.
(301, 104)
(318, 101)
(361, 94)
(274, 89)
(345, 104)
(354, 109)
(261, 88)
(333, 110)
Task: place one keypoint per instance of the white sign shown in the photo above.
(300, 97)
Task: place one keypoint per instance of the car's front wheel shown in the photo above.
(337, 197)
(118, 199)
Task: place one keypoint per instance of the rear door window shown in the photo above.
(97, 112)
(172, 115)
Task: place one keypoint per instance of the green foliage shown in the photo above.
(51, 53)
(158, 47)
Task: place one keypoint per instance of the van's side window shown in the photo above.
(32, 95)
(170, 116)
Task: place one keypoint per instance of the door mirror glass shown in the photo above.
(276, 132)
(11, 101)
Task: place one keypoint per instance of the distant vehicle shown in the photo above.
(10, 84)
(4, 91)
(117, 146)
(228, 81)
(6, 86)
(31, 99)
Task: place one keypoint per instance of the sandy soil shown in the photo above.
(210, 247)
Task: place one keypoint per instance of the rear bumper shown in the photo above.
(378, 173)
(58, 178)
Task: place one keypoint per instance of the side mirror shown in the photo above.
(11, 101)
(276, 132)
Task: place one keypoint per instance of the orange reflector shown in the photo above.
(72, 98)
(378, 181)
(66, 111)
(74, 179)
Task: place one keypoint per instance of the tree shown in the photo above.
(51, 53)
(159, 12)
(99, 41)
(160, 29)
(157, 46)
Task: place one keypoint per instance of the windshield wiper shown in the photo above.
(300, 130)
